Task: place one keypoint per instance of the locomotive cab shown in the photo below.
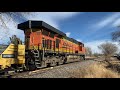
(41, 41)
(46, 45)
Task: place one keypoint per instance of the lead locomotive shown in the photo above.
(44, 46)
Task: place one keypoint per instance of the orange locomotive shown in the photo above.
(46, 45)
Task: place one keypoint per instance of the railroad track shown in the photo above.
(62, 71)
(42, 70)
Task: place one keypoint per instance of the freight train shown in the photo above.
(44, 46)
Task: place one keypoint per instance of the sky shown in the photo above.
(91, 28)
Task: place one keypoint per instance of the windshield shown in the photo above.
(2, 48)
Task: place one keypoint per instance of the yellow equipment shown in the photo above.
(13, 55)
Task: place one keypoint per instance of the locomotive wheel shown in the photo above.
(82, 58)
(57, 63)
(65, 60)
(30, 64)
(53, 63)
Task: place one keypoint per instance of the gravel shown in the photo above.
(62, 71)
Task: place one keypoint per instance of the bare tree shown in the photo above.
(116, 35)
(108, 49)
(15, 17)
(88, 51)
(96, 54)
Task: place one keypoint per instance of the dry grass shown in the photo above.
(95, 71)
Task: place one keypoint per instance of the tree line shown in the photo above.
(107, 49)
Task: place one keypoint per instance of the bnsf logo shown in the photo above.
(67, 44)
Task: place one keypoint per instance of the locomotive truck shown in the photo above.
(44, 46)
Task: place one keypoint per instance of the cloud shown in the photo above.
(94, 45)
(116, 23)
(52, 18)
(68, 34)
(79, 40)
(106, 21)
